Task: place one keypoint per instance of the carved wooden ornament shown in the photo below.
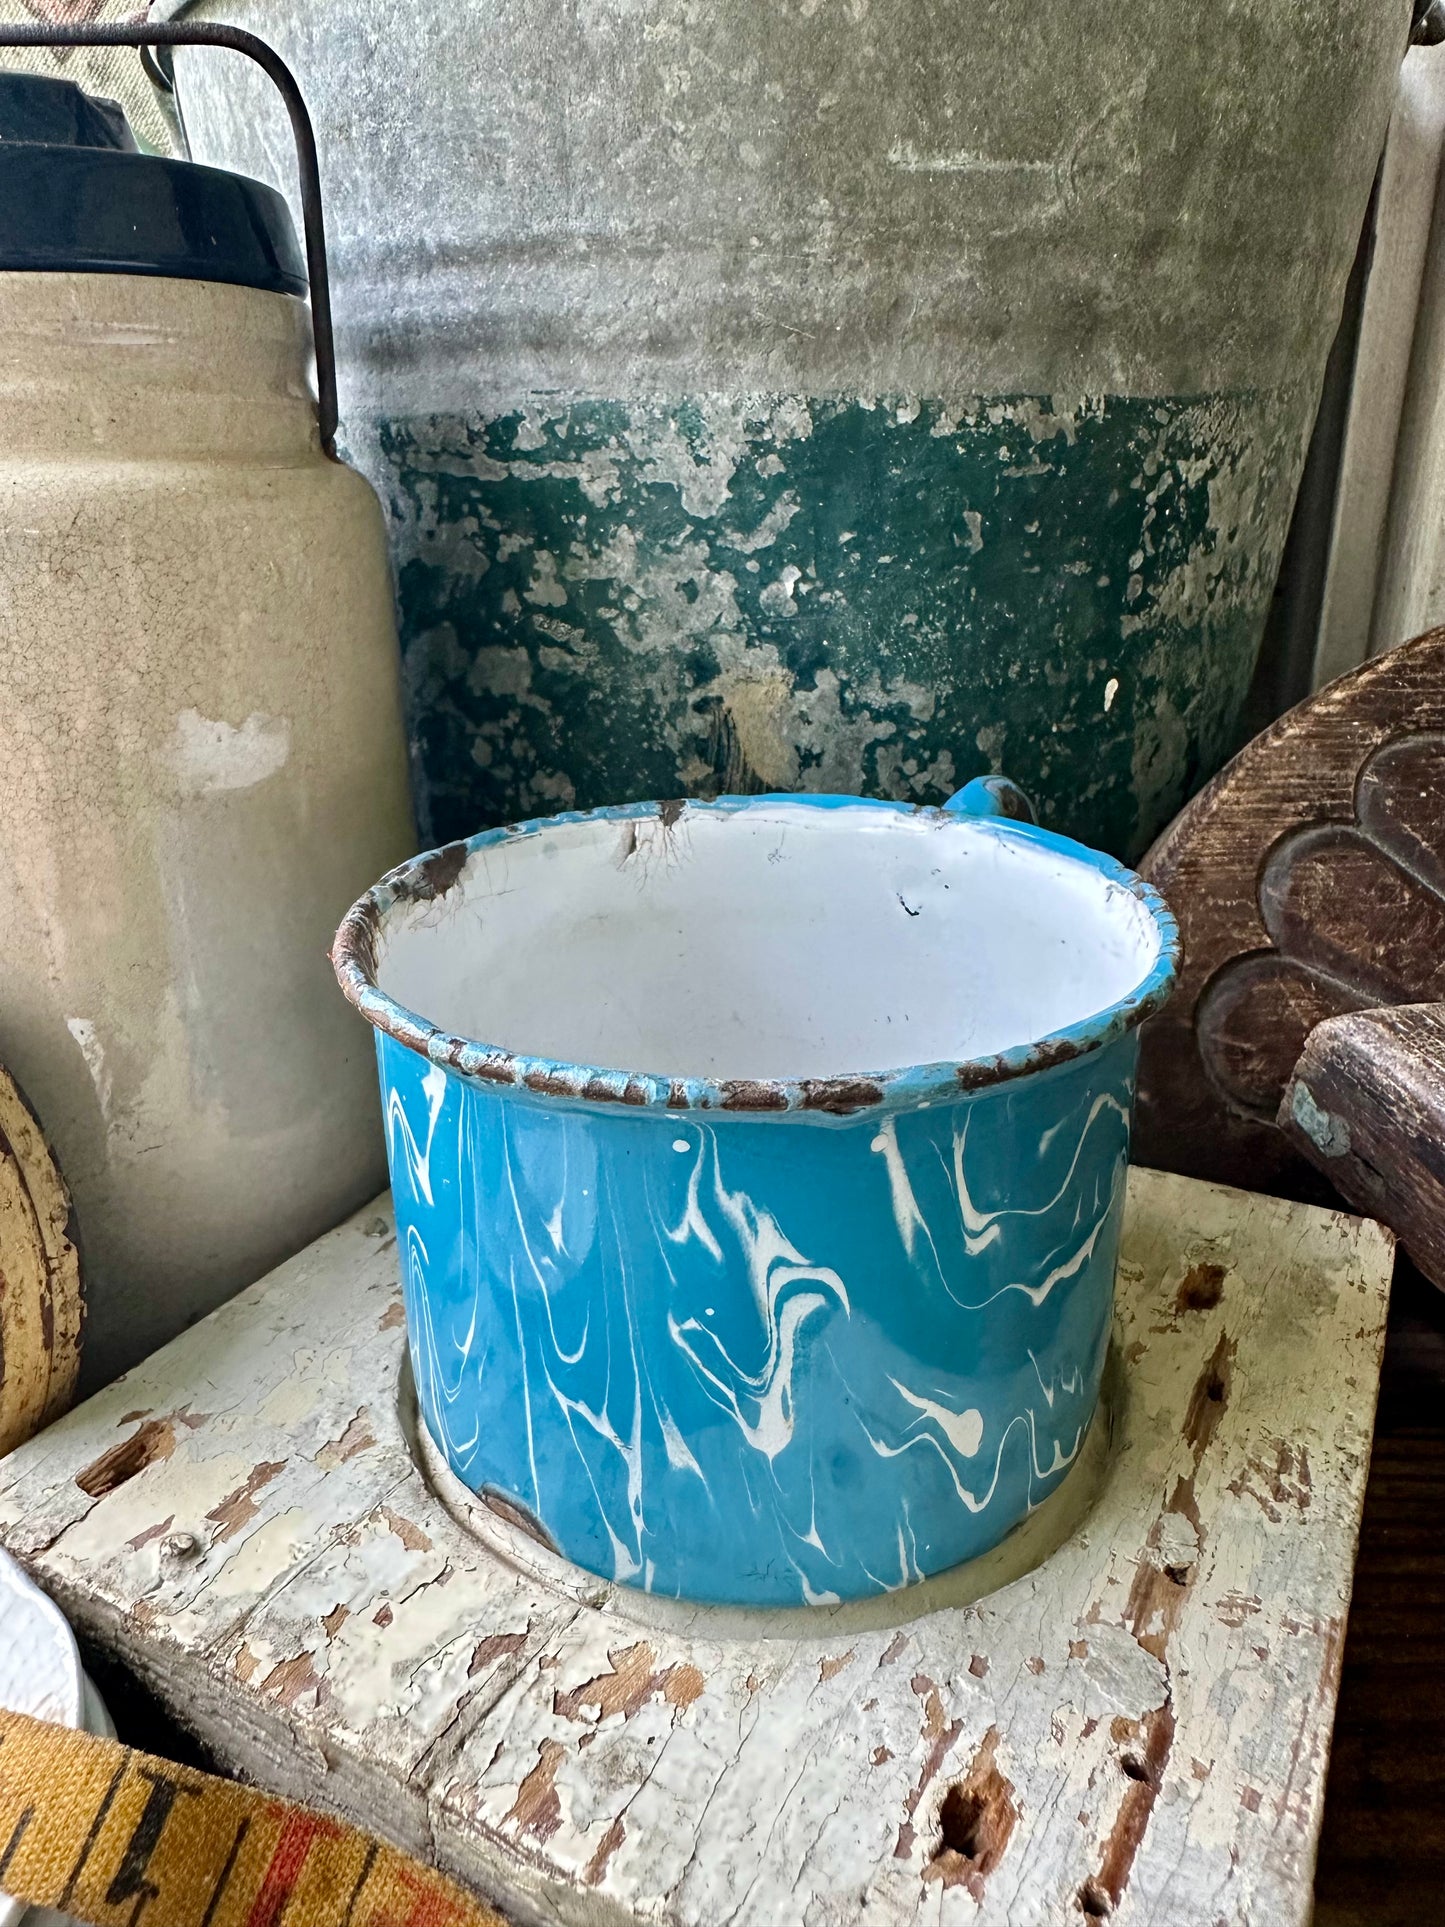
(1309, 882)
(41, 1307)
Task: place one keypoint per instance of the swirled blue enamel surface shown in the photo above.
(773, 1360)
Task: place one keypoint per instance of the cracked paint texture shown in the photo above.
(604, 601)
(1154, 1701)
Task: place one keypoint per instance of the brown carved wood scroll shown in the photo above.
(1309, 883)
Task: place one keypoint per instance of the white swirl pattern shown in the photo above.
(761, 1359)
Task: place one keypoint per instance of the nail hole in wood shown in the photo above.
(1094, 1901)
(1201, 1288)
(1135, 1768)
(976, 1819)
(1177, 1575)
(960, 1821)
(1214, 1390)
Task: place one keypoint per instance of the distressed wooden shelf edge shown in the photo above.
(1138, 1728)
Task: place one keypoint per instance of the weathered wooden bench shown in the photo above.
(1122, 1713)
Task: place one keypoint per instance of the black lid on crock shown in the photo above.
(75, 195)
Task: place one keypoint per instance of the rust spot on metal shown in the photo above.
(985, 1071)
(677, 1095)
(291, 1680)
(1156, 1730)
(601, 1092)
(537, 1809)
(549, 1083)
(153, 1441)
(976, 1819)
(596, 1867)
(840, 1096)
(411, 1536)
(493, 1073)
(830, 1668)
(626, 1689)
(751, 1094)
(516, 1514)
(432, 878)
(1201, 1288)
(238, 1508)
(495, 1646)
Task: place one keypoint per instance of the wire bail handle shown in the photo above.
(236, 40)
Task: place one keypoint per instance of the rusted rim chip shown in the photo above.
(429, 877)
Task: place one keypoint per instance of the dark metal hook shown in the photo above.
(236, 40)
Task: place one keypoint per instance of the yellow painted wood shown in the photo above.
(41, 1306)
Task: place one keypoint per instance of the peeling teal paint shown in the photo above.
(603, 601)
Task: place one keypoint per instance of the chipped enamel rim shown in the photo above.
(425, 878)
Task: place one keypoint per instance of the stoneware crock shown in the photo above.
(758, 1169)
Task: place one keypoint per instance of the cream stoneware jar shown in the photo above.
(758, 1170)
(202, 760)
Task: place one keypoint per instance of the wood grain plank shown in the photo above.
(1366, 1104)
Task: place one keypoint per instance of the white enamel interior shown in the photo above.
(780, 941)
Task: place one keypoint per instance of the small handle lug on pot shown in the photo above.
(992, 796)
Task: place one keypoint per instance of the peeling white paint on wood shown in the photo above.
(1138, 1727)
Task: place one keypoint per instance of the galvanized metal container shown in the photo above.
(758, 1170)
(828, 395)
(201, 749)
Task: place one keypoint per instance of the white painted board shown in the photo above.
(1138, 1726)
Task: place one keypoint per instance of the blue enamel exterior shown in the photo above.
(761, 1360)
(774, 1355)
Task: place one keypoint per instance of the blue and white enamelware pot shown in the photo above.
(758, 1170)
